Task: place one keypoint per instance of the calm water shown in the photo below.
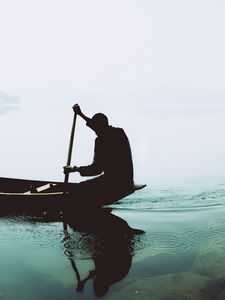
(181, 255)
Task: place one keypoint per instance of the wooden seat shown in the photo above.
(40, 189)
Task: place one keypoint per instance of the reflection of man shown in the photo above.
(112, 157)
(111, 242)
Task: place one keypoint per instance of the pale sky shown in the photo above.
(147, 64)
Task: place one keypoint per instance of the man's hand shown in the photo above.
(77, 110)
(69, 169)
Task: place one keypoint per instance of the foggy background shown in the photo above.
(156, 68)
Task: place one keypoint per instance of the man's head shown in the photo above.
(99, 123)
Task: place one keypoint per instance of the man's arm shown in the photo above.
(78, 111)
(90, 170)
(94, 169)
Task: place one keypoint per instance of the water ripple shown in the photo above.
(195, 237)
(18, 229)
(165, 243)
(176, 199)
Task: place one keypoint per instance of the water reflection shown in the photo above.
(108, 240)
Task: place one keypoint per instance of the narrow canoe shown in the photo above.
(23, 194)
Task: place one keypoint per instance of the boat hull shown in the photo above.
(14, 185)
(16, 195)
(23, 195)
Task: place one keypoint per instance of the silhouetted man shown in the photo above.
(112, 159)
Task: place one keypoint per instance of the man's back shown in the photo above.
(113, 153)
(112, 156)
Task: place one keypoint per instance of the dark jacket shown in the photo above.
(112, 156)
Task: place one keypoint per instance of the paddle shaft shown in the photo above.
(66, 179)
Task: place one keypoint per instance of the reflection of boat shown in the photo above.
(108, 240)
(22, 194)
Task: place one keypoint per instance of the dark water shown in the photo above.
(181, 255)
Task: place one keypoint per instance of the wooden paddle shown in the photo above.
(66, 179)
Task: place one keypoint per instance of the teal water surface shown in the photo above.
(180, 255)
